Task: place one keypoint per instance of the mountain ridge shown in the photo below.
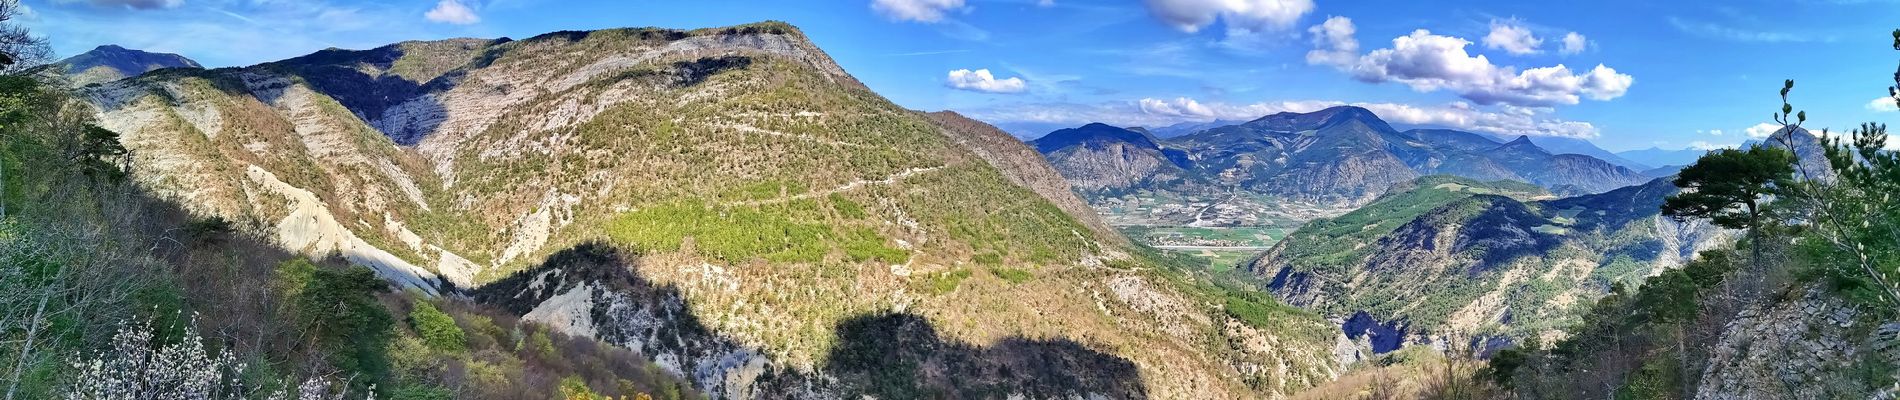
(740, 165)
(112, 62)
(1336, 158)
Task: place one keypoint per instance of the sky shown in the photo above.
(1623, 74)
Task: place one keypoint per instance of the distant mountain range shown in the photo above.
(1341, 156)
(1564, 145)
(110, 63)
(1186, 128)
(1659, 157)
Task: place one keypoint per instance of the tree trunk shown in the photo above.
(26, 348)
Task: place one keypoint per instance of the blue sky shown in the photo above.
(1635, 73)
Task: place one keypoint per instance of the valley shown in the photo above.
(768, 210)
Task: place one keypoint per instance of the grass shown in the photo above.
(1253, 236)
(787, 233)
(945, 282)
(1014, 276)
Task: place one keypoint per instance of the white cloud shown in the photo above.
(1333, 42)
(982, 81)
(1882, 104)
(1240, 15)
(452, 12)
(1045, 3)
(1724, 32)
(1429, 62)
(1574, 43)
(1163, 112)
(1704, 145)
(1512, 37)
(128, 4)
(1762, 130)
(916, 10)
(1715, 132)
(1179, 107)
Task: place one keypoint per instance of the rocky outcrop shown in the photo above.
(1807, 347)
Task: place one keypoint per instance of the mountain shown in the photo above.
(1807, 148)
(1564, 145)
(1336, 159)
(1659, 157)
(1663, 171)
(726, 201)
(1450, 257)
(1190, 127)
(1337, 155)
(1098, 157)
(111, 62)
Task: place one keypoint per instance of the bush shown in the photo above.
(437, 329)
(339, 311)
(1013, 275)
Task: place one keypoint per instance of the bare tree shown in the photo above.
(19, 48)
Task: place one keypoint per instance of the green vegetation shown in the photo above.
(1012, 275)
(94, 271)
(795, 231)
(1727, 186)
(1644, 326)
(338, 309)
(944, 282)
(1251, 236)
(1258, 309)
(1825, 237)
(1331, 244)
(437, 329)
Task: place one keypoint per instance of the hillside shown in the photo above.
(1098, 157)
(1455, 258)
(782, 206)
(110, 62)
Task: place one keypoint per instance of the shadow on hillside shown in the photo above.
(889, 355)
(901, 356)
(341, 75)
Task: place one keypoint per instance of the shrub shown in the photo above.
(1012, 275)
(437, 329)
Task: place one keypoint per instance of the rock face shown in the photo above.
(1801, 348)
(1807, 148)
(785, 217)
(1098, 157)
(1454, 257)
(110, 62)
(1339, 157)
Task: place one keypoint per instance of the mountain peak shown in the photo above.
(1093, 132)
(112, 62)
(1521, 140)
(1294, 122)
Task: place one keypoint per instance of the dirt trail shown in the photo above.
(853, 185)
